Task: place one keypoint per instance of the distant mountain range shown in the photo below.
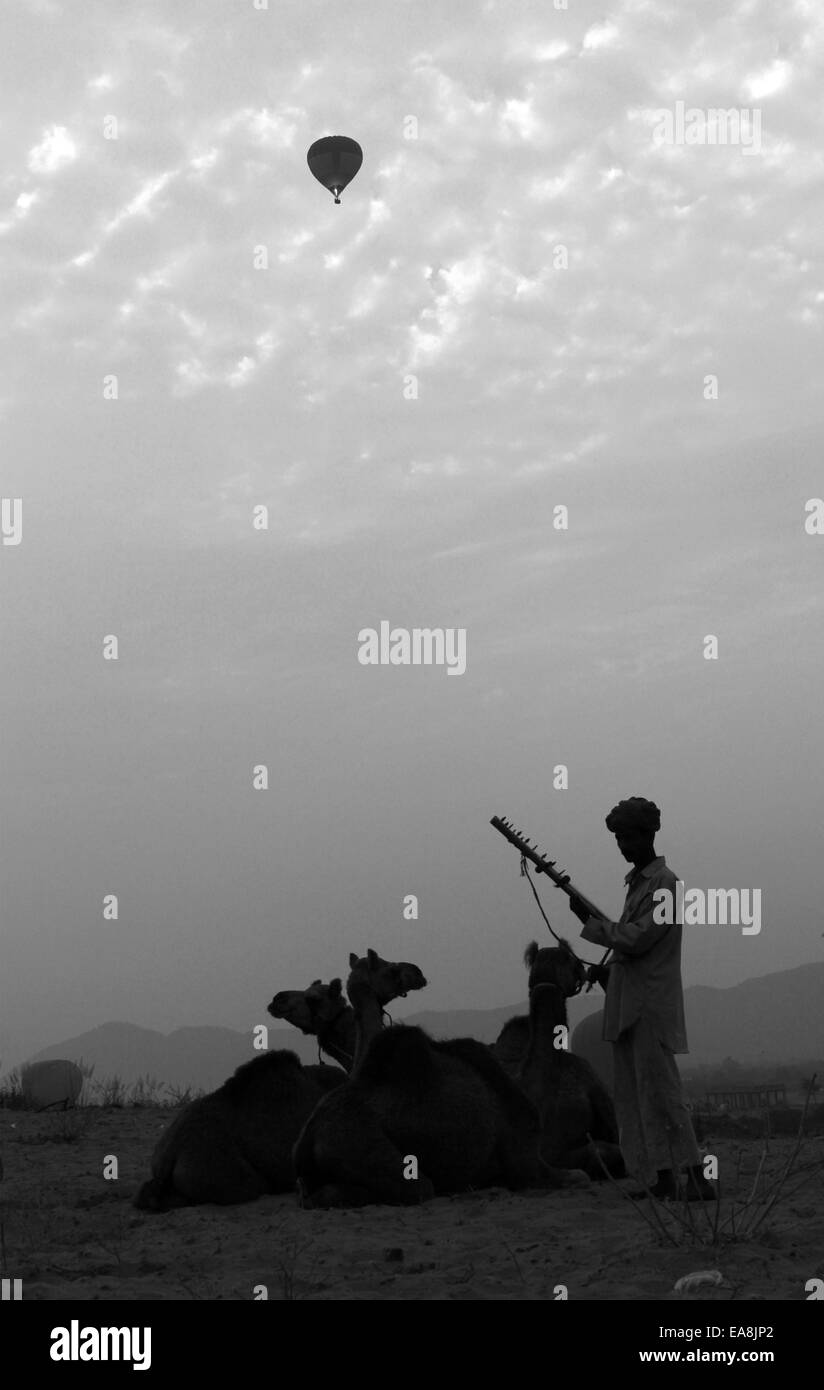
(774, 1018)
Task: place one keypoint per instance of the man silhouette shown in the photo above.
(644, 1012)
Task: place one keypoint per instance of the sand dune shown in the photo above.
(70, 1234)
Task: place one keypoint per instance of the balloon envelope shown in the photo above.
(51, 1083)
(334, 161)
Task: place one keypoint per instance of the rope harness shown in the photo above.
(526, 874)
(323, 1035)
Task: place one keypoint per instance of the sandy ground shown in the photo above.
(70, 1234)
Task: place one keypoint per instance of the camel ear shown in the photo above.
(335, 988)
(531, 954)
(372, 957)
(353, 960)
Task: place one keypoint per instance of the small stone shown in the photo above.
(393, 1252)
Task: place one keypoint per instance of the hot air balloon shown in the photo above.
(334, 161)
(50, 1083)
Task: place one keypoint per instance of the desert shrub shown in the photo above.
(182, 1095)
(110, 1093)
(146, 1091)
(11, 1091)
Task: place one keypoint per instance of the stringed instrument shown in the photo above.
(545, 866)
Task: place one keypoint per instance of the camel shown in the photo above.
(571, 1100)
(418, 1117)
(587, 1041)
(511, 1045)
(236, 1144)
(321, 1011)
(372, 984)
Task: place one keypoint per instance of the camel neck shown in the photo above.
(547, 1011)
(368, 1023)
(340, 1040)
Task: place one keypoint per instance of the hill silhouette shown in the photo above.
(772, 1018)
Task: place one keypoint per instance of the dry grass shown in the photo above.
(106, 1093)
(740, 1211)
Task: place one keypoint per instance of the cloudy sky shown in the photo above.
(537, 385)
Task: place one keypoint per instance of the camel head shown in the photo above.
(312, 1009)
(385, 980)
(554, 965)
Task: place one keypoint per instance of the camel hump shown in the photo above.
(518, 1108)
(326, 1077)
(512, 1041)
(400, 1056)
(267, 1067)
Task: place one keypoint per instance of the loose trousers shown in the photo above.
(654, 1124)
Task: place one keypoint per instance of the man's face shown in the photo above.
(634, 847)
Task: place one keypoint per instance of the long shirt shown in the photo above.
(645, 975)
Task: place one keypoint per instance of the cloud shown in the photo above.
(600, 36)
(771, 80)
(22, 207)
(55, 150)
(141, 202)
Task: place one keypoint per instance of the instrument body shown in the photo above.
(546, 866)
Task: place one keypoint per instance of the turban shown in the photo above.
(635, 816)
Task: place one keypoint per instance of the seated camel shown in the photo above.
(418, 1117)
(236, 1143)
(571, 1099)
